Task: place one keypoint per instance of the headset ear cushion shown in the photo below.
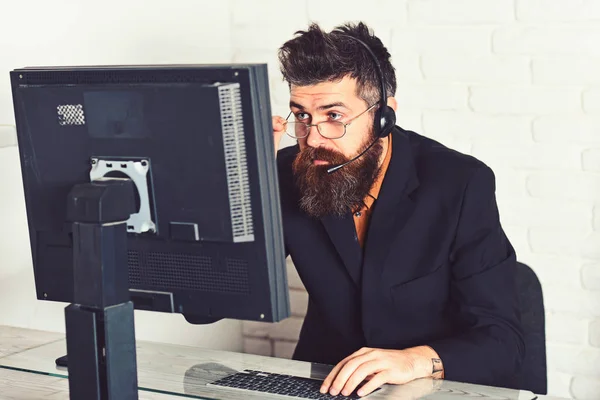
(387, 120)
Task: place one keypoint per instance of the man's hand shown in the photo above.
(380, 366)
(278, 131)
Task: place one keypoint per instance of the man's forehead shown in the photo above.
(313, 95)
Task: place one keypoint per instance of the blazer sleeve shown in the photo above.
(483, 286)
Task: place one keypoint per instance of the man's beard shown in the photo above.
(340, 192)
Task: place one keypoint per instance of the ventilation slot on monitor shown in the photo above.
(165, 271)
(70, 114)
(235, 163)
(135, 270)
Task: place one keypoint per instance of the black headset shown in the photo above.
(385, 117)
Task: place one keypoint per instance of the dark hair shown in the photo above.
(315, 56)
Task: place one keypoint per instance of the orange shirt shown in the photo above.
(361, 218)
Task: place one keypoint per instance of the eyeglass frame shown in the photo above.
(308, 126)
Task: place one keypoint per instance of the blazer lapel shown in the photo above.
(394, 205)
(342, 233)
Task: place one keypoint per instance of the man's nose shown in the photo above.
(314, 138)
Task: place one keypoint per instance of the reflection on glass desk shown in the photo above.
(185, 371)
(17, 385)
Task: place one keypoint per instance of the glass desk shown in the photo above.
(183, 372)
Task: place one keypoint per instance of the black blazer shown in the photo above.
(437, 268)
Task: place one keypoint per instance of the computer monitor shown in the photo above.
(196, 140)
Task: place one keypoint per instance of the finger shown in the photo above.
(378, 380)
(334, 372)
(347, 371)
(361, 373)
(278, 124)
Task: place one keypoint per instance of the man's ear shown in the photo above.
(391, 101)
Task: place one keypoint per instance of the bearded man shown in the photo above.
(396, 237)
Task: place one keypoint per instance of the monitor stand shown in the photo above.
(100, 322)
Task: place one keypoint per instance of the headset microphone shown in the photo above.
(333, 169)
(385, 117)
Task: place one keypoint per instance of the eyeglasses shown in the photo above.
(327, 129)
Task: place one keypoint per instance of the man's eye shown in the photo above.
(302, 116)
(335, 116)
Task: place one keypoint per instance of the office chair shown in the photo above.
(533, 374)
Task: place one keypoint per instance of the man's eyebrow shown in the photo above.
(328, 106)
(294, 104)
(320, 108)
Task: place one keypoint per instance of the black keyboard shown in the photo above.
(284, 385)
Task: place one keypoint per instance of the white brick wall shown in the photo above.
(558, 10)
(8, 136)
(511, 99)
(595, 333)
(579, 129)
(513, 82)
(585, 388)
(566, 71)
(453, 12)
(591, 101)
(544, 41)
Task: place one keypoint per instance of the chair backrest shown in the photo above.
(533, 374)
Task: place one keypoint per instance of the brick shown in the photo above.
(568, 329)
(475, 69)
(8, 136)
(557, 10)
(244, 13)
(591, 101)
(409, 119)
(463, 12)
(261, 347)
(294, 281)
(559, 383)
(256, 329)
(573, 359)
(533, 157)
(510, 184)
(511, 99)
(475, 127)
(546, 41)
(595, 332)
(534, 212)
(298, 302)
(573, 185)
(576, 129)
(437, 40)
(262, 37)
(284, 349)
(555, 272)
(379, 13)
(517, 235)
(590, 160)
(585, 388)
(408, 68)
(590, 248)
(577, 302)
(565, 241)
(590, 276)
(556, 241)
(440, 97)
(566, 71)
(288, 329)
